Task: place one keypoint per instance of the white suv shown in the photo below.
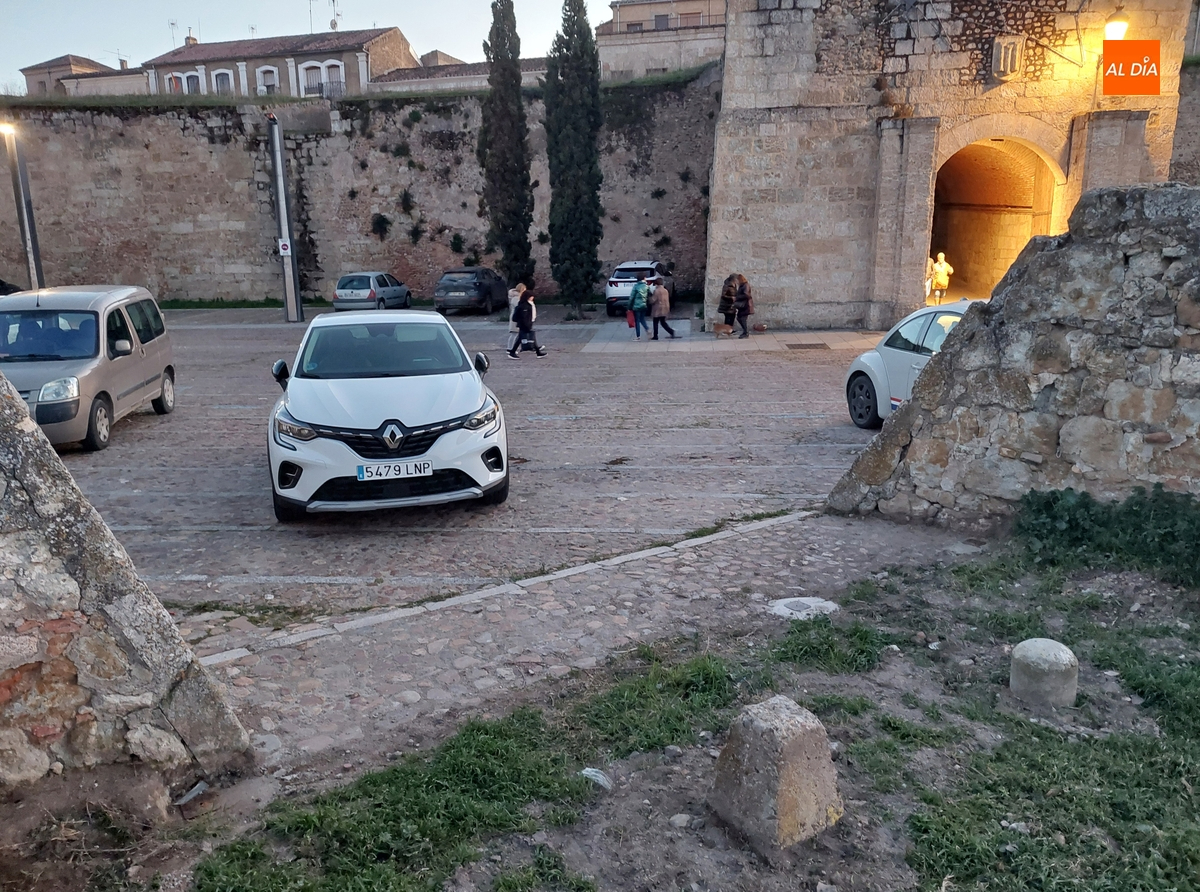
(623, 278)
(384, 411)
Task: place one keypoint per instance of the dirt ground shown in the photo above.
(945, 680)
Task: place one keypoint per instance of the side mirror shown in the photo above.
(279, 371)
(122, 347)
(671, 266)
(481, 363)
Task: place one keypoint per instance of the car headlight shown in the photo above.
(485, 416)
(57, 391)
(287, 426)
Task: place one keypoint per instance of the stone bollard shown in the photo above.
(1044, 673)
(776, 784)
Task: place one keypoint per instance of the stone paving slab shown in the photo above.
(618, 337)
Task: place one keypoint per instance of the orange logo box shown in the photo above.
(1131, 67)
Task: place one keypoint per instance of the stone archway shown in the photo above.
(990, 197)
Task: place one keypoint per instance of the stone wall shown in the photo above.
(838, 114)
(179, 200)
(1185, 164)
(92, 669)
(633, 54)
(1083, 371)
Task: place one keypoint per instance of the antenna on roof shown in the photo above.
(310, 24)
(174, 26)
(253, 31)
(337, 16)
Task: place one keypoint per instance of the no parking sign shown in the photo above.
(285, 248)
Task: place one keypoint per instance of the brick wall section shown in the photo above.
(92, 668)
(1185, 165)
(180, 201)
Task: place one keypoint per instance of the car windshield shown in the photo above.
(381, 350)
(631, 273)
(457, 278)
(353, 283)
(36, 335)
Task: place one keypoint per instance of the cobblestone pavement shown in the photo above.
(336, 635)
(610, 452)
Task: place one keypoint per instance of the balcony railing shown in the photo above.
(326, 90)
(670, 22)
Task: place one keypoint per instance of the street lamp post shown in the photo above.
(24, 202)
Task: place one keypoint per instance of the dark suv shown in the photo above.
(470, 286)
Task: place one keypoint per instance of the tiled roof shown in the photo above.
(467, 69)
(69, 59)
(328, 42)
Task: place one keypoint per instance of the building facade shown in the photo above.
(45, 78)
(648, 37)
(858, 137)
(328, 65)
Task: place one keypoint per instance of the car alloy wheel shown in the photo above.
(165, 403)
(862, 402)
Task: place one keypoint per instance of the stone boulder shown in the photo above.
(1044, 673)
(1083, 371)
(776, 784)
(92, 668)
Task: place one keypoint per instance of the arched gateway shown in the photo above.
(848, 150)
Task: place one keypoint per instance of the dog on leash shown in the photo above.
(722, 331)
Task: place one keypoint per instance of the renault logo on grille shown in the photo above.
(392, 436)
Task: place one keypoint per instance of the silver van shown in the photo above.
(83, 357)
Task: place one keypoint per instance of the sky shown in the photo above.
(33, 31)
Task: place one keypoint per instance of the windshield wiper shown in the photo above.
(34, 357)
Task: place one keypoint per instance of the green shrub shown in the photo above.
(381, 224)
(456, 243)
(819, 644)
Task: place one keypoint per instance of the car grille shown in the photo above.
(370, 444)
(351, 489)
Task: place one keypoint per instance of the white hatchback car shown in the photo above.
(364, 291)
(880, 380)
(384, 411)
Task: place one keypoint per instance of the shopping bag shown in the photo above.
(629, 317)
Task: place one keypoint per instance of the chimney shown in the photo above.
(189, 40)
(124, 64)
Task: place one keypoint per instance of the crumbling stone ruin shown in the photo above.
(92, 668)
(1083, 371)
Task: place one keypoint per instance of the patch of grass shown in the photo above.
(548, 871)
(832, 706)
(910, 733)
(1154, 531)
(881, 758)
(865, 590)
(819, 644)
(406, 828)
(1111, 814)
(663, 242)
(1014, 626)
(416, 232)
(667, 704)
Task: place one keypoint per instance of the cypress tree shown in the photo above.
(503, 148)
(573, 120)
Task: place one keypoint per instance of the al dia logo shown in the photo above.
(1131, 67)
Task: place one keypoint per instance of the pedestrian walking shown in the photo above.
(660, 306)
(524, 315)
(728, 293)
(639, 302)
(743, 304)
(942, 271)
(514, 298)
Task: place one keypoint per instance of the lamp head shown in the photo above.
(1117, 24)
(7, 129)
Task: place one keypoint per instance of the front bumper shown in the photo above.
(328, 473)
(61, 422)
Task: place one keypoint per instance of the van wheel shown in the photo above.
(99, 425)
(285, 511)
(489, 307)
(165, 403)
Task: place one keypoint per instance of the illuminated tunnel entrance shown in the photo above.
(991, 197)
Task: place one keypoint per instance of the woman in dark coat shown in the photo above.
(523, 315)
(728, 293)
(743, 304)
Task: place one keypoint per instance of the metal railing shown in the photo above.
(670, 22)
(326, 90)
